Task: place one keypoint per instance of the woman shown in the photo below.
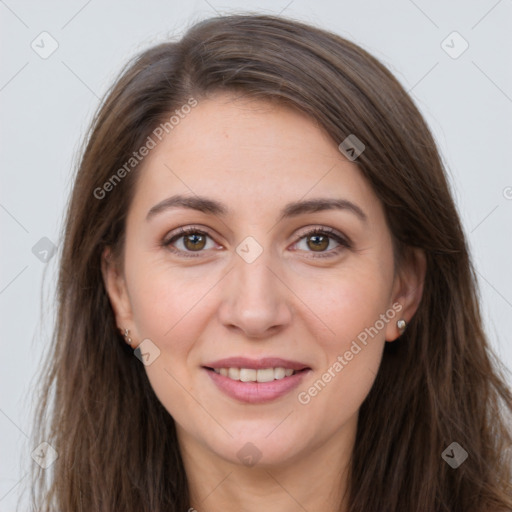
(266, 300)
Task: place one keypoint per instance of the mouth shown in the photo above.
(256, 381)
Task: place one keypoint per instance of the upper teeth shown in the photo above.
(253, 375)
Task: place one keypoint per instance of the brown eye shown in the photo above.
(324, 242)
(318, 242)
(194, 241)
(189, 242)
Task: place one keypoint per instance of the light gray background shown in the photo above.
(47, 104)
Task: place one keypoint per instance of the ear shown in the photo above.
(115, 285)
(407, 289)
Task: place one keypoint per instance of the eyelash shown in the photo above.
(344, 243)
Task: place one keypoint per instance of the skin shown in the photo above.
(255, 157)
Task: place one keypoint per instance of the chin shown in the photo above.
(260, 445)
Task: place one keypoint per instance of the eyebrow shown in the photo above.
(293, 209)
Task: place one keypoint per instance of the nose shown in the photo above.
(255, 299)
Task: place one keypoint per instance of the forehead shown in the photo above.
(241, 129)
(249, 152)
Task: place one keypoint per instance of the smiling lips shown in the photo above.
(256, 381)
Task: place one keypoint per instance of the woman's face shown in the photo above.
(250, 282)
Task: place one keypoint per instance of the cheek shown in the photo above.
(168, 310)
(357, 314)
(163, 296)
(355, 306)
(347, 301)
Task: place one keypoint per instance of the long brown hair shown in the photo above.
(439, 383)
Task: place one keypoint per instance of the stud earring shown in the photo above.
(401, 324)
(126, 336)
